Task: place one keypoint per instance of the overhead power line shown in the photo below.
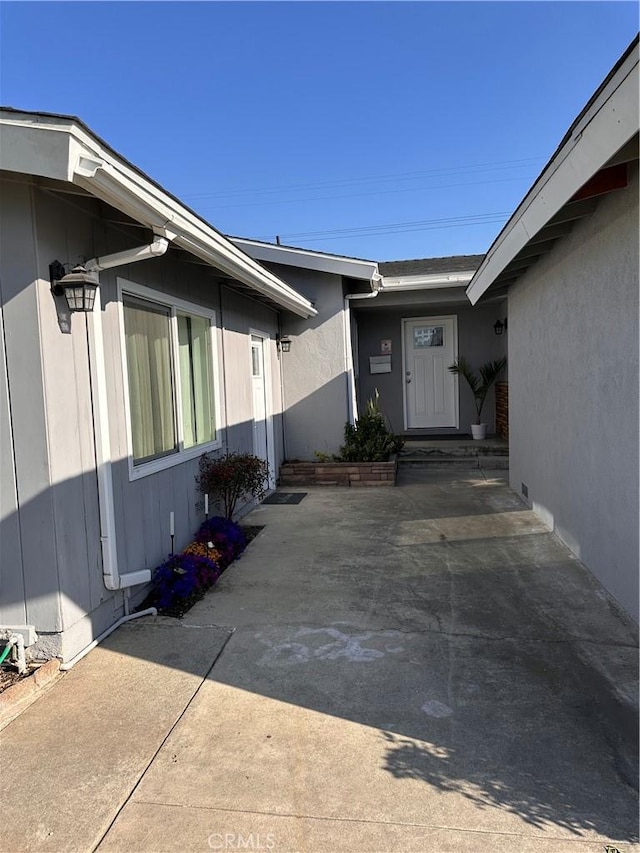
(361, 195)
(448, 171)
(394, 228)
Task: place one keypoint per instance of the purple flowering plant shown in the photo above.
(184, 578)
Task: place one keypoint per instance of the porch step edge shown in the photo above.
(469, 463)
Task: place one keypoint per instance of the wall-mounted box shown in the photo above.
(379, 364)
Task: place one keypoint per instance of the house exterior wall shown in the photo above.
(50, 510)
(573, 384)
(28, 551)
(13, 604)
(314, 375)
(476, 340)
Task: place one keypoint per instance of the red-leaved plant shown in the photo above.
(227, 479)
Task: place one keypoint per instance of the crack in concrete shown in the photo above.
(172, 728)
(372, 822)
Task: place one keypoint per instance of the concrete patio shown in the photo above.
(383, 671)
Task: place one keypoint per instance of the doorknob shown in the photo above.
(408, 379)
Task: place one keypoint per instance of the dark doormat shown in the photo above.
(285, 498)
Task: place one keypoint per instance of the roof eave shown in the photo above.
(426, 281)
(97, 169)
(308, 259)
(608, 122)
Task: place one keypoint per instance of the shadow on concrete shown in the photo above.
(369, 649)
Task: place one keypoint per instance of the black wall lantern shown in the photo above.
(500, 326)
(78, 287)
(284, 344)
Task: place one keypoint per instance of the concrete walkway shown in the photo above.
(423, 668)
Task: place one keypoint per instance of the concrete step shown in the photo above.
(443, 461)
(448, 450)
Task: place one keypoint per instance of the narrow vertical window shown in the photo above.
(151, 395)
(196, 386)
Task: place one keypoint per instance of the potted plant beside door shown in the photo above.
(480, 384)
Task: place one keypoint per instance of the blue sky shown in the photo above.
(378, 130)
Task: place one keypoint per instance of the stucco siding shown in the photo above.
(476, 340)
(573, 355)
(314, 371)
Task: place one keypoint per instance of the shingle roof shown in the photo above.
(299, 249)
(454, 263)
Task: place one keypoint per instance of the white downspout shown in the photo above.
(130, 256)
(113, 580)
(352, 405)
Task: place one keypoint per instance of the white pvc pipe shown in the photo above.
(17, 640)
(352, 406)
(130, 256)
(112, 578)
(110, 573)
(150, 611)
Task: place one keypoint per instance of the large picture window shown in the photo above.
(170, 377)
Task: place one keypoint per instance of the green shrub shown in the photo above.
(228, 478)
(370, 439)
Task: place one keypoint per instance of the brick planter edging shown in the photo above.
(17, 698)
(502, 410)
(339, 473)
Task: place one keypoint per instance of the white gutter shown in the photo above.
(127, 190)
(426, 282)
(308, 259)
(61, 148)
(113, 580)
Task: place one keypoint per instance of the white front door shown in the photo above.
(259, 399)
(431, 391)
(263, 442)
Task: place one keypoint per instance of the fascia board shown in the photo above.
(84, 162)
(205, 244)
(605, 127)
(126, 189)
(403, 299)
(286, 255)
(426, 282)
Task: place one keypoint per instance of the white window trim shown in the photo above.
(175, 305)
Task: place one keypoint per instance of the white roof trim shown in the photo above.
(94, 167)
(608, 123)
(425, 281)
(308, 259)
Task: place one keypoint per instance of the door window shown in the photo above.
(428, 336)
